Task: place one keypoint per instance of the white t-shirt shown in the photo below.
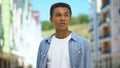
(58, 53)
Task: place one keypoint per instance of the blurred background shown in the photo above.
(24, 23)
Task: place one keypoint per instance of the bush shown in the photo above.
(46, 25)
(83, 18)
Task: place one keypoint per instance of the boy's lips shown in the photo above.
(62, 23)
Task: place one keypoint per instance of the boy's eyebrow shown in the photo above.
(67, 13)
(57, 13)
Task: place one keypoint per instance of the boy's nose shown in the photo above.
(62, 18)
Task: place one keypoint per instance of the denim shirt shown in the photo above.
(79, 52)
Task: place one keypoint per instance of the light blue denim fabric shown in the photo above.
(79, 52)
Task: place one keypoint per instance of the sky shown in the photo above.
(43, 6)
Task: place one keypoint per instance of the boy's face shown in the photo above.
(61, 18)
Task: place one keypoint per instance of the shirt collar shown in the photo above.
(73, 37)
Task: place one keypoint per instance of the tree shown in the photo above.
(46, 25)
(83, 18)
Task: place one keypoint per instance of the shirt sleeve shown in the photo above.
(38, 58)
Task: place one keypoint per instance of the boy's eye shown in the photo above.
(57, 14)
(66, 15)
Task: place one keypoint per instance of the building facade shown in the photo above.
(20, 34)
(105, 33)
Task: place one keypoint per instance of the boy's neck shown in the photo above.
(62, 34)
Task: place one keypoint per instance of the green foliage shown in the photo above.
(46, 25)
(83, 18)
(74, 21)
